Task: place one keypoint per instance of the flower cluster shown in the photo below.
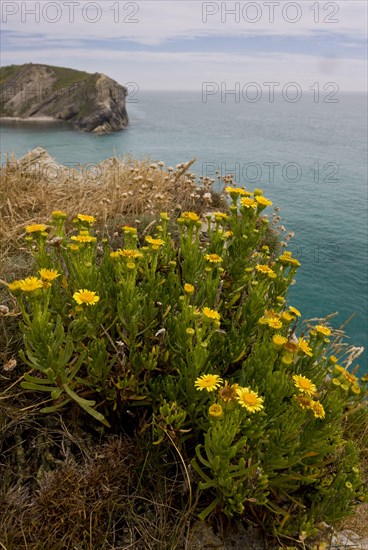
(345, 380)
(246, 398)
(287, 259)
(307, 391)
(191, 325)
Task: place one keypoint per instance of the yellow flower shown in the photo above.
(73, 247)
(317, 408)
(36, 228)
(154, 242)
(209, 382)
(213, 258)
(332, 359)
(303, 401)
(215, 410)
(322, 329)
(265, 270)
(14, 286)
(86, 218)
(355, 389)
(83, 238)
(279, 340)
(262, 201)
(294, 262)
(30, 284)
(304, 385)
(58, 215)
(249, 400)
(295, 311)
(247, 202)
(228, 393)
(115, 254)
(130, 253)
(273, 322)
(338, 369)
(304, 347)
(228, 234)
(190, 216)
(272, 313)
(85, 296)
(236, 191)
(211, 314)
(349, 377)
(286, 258)
(286, 316)
(188, 288)
(287, 359)
(220, 216)
(129, 229)
(48, 274)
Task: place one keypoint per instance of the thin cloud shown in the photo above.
(156, 22)
(172, 47)
(188, 70)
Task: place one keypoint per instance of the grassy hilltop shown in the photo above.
(92, 102)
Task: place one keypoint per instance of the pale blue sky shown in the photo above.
(177, 44)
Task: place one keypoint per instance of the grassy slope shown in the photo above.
(8, 71)
(65, 76)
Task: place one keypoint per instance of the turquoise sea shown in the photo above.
(310, 159)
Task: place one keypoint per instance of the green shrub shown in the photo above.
(196, 335)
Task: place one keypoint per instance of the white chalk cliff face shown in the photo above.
(91, 102)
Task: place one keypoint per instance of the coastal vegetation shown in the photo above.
(155, 372)
(64, 76)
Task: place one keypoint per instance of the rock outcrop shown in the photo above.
(39, 162)
(91, 102)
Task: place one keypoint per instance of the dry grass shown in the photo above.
(63, 490)
(65, 486)
(358, 522)
(116, 191)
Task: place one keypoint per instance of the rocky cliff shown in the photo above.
(92, 102)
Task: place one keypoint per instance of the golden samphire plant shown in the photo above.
(190, 327)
